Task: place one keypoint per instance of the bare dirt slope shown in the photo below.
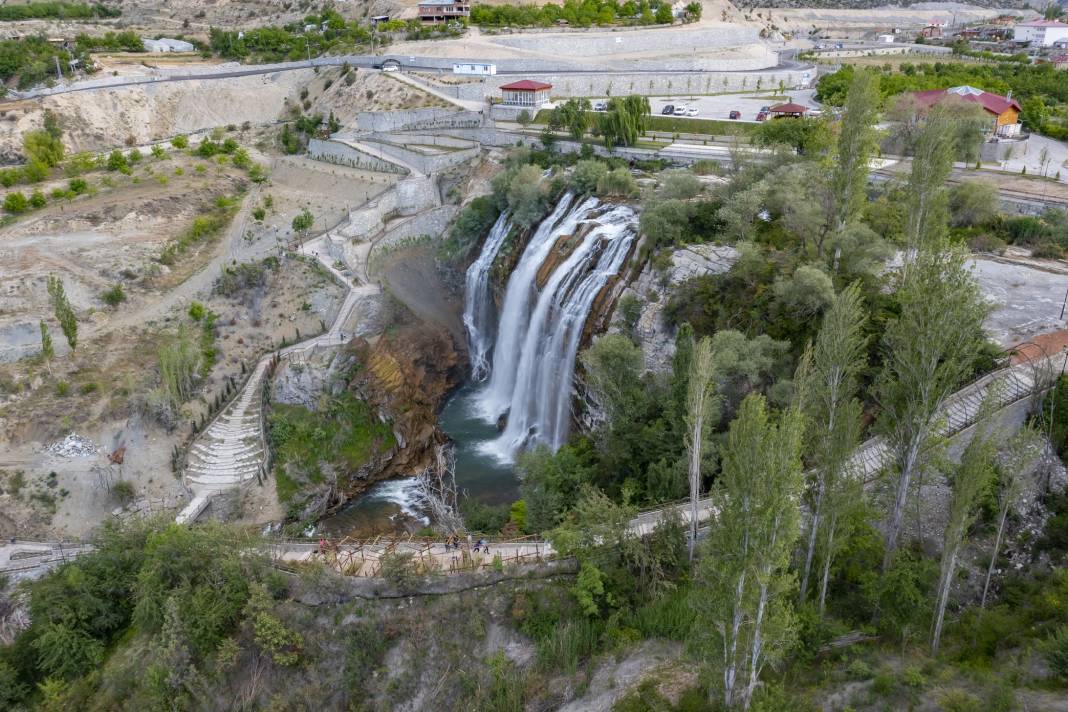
(98, 120)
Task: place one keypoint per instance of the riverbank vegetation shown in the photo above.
(315, 450)
(808, 345)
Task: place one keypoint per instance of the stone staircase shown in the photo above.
(230, 451)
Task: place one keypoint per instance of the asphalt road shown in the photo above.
(361, 61)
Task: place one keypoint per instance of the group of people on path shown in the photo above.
(453, 542)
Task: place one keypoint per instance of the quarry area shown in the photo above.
(506, 364)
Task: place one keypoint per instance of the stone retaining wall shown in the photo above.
(415, 120)
(426, 163)
(343, 154)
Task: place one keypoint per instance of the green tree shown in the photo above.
(742, 619)
(572, 115)
(62, 310)
(926, 194)
(972, 203)
(302, 222)
(663, 14)
(527, 197)
(623, 120)
(970, 481)
(700, 415)
(42, 146)
(927, 354)
(1023, 450)
(827, 388)
(805, 293)
(807, 137)
(48, 351)
(550, 482)
(856, 143)
(613, 366)
(66, 652)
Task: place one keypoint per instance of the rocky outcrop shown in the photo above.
(653, 287)
(409, 372)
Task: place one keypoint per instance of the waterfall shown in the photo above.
(540, 330)
(521, 290)
(478, 302)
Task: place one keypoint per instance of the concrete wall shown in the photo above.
(408, 197)
(343, 154)
(415, 120)
(662, 83)
(427, 163)
(432, 222)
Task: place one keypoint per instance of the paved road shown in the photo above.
(362, 61)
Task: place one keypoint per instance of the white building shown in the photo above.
(476, 69)
(164, 44)
(1040, 33)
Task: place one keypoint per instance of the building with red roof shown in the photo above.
(526, 93)
(792, 110)
(1040, 33)
(1004, 109)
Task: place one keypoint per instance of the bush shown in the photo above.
(471, 225)
(1055, 650)
(587, 175)
(679, 185)
(859, 670)
(618, 182)
(117, 162)
(78, 186)
(38, 200)
(124, 492)
(16, 203)
(180, 142)
(114, 296)
(197, 311)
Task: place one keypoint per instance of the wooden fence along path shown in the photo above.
(352, 557)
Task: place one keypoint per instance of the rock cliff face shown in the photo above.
(408, 372)
(652, 288)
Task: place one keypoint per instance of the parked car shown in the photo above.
(762, 116)
(692, 111)
(600, 106)
(680, 110)
(735, 114)
(668, 110)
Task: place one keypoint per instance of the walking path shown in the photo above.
(231, 451)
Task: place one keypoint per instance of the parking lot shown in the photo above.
(720, 106)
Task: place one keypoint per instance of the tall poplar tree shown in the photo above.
(833, 413)
(926, 193)
(743, 621)
(927, 354)
(1023, 450)
(856, 143)
(700, 402)
(969, 480)
(64, 313)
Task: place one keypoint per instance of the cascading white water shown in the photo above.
(478, 302)
(546, 344)
(519, 294)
